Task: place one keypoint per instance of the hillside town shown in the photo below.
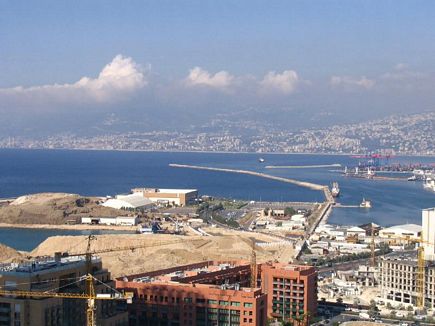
(403, 135)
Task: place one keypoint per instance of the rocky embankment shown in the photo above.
(8, 254)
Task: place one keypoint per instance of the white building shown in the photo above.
(133, 201)
(428, 233)
(119, 220)
(356, 231)
(411, 231)
(177, 197)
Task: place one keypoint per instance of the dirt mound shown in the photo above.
(53, 208)
(7, 253)
(161, 251)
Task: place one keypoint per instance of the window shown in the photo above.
(187, 300)
(223, 303)
(212, 301)
(235, 303)
(200, 300)
(247, 305)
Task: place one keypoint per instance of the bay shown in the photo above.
(101, 173)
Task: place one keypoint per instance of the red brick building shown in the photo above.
(291, 290)
(217, 293)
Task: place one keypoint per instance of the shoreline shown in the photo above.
(73, 227)
(204, 152)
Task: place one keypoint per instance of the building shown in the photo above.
(398, 272)
(129, 202)
(219, 293)
(401, 232)
(428, 233)
(63, 275)
(174, 197)
(398, 279)
(356, 231)
(118, 220)
(207, 293)
(291, 290)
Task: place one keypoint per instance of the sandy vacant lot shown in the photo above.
(164, 251)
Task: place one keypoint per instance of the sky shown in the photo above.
(103, 65)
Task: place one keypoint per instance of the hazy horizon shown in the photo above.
(106, 66)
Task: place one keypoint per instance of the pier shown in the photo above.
(305, 184)
(336, 165)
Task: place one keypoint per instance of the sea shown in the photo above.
(102, 173)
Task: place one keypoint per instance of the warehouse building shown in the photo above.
(129, 202)
(219, 293)
(118, 220)
(63, 275)
(174, 197)
(411, 231)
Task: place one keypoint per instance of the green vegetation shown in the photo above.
(289, 211)
(373, 310)
(230, 222)
(322, 261)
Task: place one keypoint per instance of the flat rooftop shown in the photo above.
(163, 190)
(192, 273)
(42, 265)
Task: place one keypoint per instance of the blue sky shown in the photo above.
(355, 42)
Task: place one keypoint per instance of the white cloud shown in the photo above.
(351, 82)
(199, 76)
(285, 82)
(117, 79)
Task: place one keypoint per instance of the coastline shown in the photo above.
(205, 152)
(74, 227)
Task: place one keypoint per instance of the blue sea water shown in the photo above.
(110, 172)
(28, 239)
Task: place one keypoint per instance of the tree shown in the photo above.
(339, 300)
(373, 310)
(289, 211)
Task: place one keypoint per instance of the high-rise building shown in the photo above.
(291, 290)
(428, 233)
(55, 274)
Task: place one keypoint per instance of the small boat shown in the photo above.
(261, 160)
(412, 178)
(335, 190)
(365, 203)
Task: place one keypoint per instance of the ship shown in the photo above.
(261, 160)
(365, 203)
(335, 190)
(412, 178)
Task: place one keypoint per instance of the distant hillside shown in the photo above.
(406, 134)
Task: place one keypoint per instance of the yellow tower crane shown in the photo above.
(421, 266)
(254, 271)
(90, 295)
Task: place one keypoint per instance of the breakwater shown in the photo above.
(336, 165)
(305, 184)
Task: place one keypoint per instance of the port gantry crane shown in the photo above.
(90, 295)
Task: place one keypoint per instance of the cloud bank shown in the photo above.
(285, 82)
(199, 76)
(120, 77)
(348, 82)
